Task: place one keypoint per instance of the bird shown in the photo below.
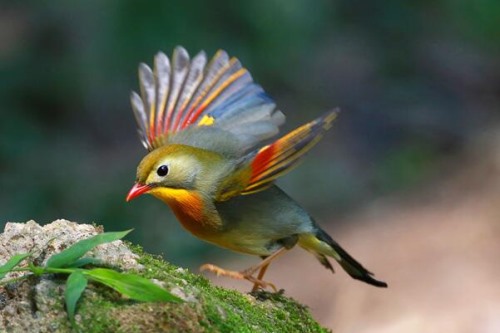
(213, 157)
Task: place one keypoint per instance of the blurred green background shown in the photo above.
(415, 81)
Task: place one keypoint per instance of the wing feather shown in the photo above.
(214, 70)
(147, 87)
(140, 117)
(284, 154)
(193, 79)
(180, 69)
(258, 170)
(162, 74)
(181, 92)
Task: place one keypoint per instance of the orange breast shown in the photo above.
(189, 208)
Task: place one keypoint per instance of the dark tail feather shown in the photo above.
(348, 263)
(324, 261)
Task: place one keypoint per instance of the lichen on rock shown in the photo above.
(36, 304)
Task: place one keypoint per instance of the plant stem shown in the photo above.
(12, 280)
(23, 269)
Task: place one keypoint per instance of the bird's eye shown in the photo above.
(162, 171)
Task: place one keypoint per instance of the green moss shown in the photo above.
(94, 308)
(266, 312)
(207, 308)
(157, 268)
(225, 310)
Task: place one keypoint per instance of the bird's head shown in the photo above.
(171, 170)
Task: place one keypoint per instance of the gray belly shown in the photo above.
(258, 223)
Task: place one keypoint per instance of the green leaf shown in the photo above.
(131, 285)
(11, 263)
(75, 285)
(77, 250)
(85, 261)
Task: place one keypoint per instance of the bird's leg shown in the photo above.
(262, 271)
(248, 273)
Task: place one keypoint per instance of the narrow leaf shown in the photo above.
(77, 250)
(85, 261)
(11, 263)
(130, 285)
(75, 285)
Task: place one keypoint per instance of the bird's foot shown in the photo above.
(246, 274)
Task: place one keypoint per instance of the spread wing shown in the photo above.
(184, 93)
(258, 170)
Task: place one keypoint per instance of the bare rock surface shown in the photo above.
(23, 303)
(44, 241)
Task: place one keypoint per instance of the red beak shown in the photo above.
(137, 190)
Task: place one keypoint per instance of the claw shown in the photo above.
(261, 284)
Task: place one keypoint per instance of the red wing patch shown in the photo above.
(284, 154)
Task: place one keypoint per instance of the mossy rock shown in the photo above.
(36, 304)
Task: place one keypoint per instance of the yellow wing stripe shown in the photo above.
(221, 72)
(192, 116)
(223, 86)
